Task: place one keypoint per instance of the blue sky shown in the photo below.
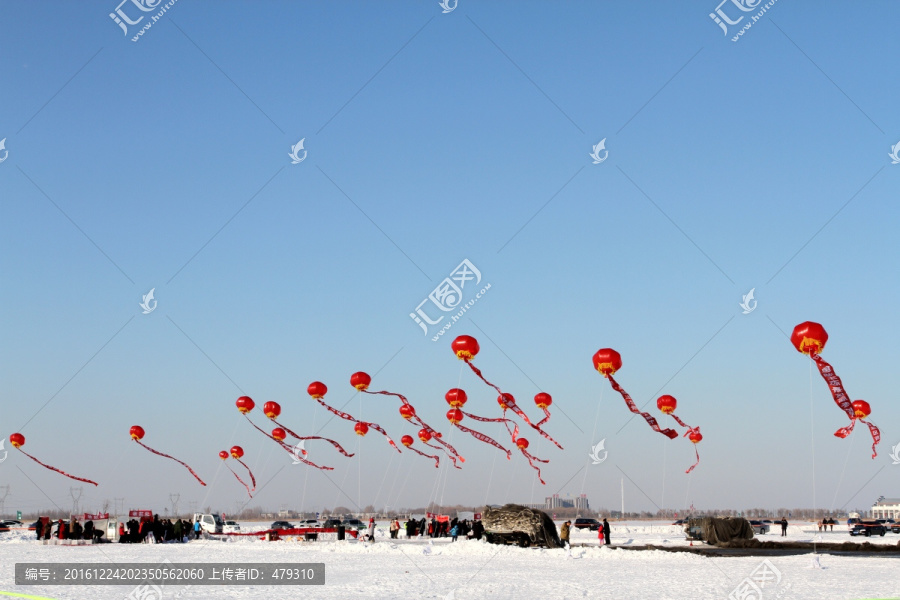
(434, 138)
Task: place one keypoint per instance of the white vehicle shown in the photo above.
(231, 527)
(209, 522)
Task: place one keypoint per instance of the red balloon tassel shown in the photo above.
(314, 437)
(531, 459)
(241, 480)
(447, 448)
(483, 438)
(252, 478)
(350, 417)
(834, 384)
(669, 433)
(693, 434)
(437, 460)
(361, 382)
(287, 447)
(451, 456)
(510, 403)
(185, 465)
(55, 469)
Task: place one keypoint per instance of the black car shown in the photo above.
(354, 523)
(868, 528)
(281, 525)
(589, 524)
(331, 523)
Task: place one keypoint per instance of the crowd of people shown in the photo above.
(452, 528)
(73, 530)
(161, 530)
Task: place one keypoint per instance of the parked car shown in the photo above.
(281, 525)
(868, 528)
(679, 522)
(355, 523)
(895, 528)
(331, 523)
(759, 528)
(589, 524)
(231, 527)
(309, 523)
(11, 523)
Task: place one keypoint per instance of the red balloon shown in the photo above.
(407, 440)
(245, 404)
(407, 411)
(695, 436)
(360, 380)
(279, 434)
(361, 429)
(424, 435)
(454, 415)
(272, 409)
(237, 451)
(456, 397)
(543, 400)
(223, 455)
(607, 361)
(809, 337)
(861, 409)
(17, 439)
(465, 347)
(504, 400)
(136, 431)
(667, 404)
(522, 443)
(317, 389)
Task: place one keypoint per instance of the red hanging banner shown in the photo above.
(651, 420)
(183, 464)
(57, 470)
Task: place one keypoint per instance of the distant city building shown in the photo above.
(886, 508)
(554, 501)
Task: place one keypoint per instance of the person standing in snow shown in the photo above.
(783, 527)
(564, 532)
(371, 529)
(197, 528)
(395, 527)
(606, 530)
(454, 531)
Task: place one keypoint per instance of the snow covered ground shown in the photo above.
(441, 569)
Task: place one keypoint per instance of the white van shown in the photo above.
(209, 522)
